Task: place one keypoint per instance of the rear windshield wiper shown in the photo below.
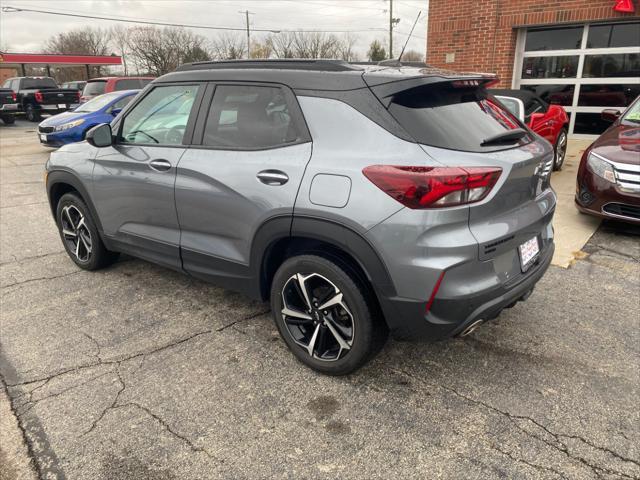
(510, 136)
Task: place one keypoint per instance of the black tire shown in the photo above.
(9, 119)
(560, 150)
(76, 217)
(31, 113)
(368, 332)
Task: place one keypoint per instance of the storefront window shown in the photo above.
(562, 38)
(556, 94)
(550, 67)
(607, 95)
(590, 123)
(613, 65)
(617, 35)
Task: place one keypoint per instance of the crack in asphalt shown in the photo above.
(113, 405)
(250, 317)
(617, 252)
(62, 275)
(535, 466)
(559, 445)
(20, 260)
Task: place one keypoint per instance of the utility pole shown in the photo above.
(247, 13)
(392, 22)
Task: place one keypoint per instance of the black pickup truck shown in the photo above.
(8, 105)
(41, 95)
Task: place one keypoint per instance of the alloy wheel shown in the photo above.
(76, 233)
(561, 149)
(317, 316)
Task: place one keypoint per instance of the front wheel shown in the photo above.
(560, 150)
(79, 234)
(326, 316)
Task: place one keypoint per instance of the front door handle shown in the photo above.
(273, 177)
(160, 165)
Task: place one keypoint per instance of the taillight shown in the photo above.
(38, 96)
(79, 95)
(14, 96)
(433, 187)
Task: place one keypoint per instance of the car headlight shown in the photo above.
(601, 167)
(67, 126)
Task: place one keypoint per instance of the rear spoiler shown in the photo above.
(386, 91)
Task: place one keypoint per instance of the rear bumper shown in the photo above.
(9, 108)
(449, 317)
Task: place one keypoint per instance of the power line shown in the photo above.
(10, 9)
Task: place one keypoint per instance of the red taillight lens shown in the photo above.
(433, 187)
(79, 95)
(38, 96)
(14, 96)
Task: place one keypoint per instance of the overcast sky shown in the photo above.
(367, 19)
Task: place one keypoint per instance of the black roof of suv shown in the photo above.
(325, 75)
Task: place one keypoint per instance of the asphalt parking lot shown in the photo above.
(138, 372)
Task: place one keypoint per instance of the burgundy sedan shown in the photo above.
(608, 183)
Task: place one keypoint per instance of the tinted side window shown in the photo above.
(161, 117)
(249, 117)
(127, 84)
(94, 88)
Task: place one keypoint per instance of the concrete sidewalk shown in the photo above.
(572, 229)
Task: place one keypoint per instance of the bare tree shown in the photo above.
(82, 41)
(282, 44)
(346, 49)
(228, 46)
(315, 45)
(159, 51)
(120, 41)
(412, 56)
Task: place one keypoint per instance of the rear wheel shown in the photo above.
(9, 119)
(31, 113)
(79, 234)
(325, 316)
(560, 149)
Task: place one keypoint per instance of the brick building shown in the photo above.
(582, 54)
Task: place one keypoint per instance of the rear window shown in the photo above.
(128, 84)
(94, 88)
(44, 82)
(455, 118)
(145, 81)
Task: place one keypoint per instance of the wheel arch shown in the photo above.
(283, 237)
(60, 182)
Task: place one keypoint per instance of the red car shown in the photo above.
(98, 86)
(547, 120)
(608, 183)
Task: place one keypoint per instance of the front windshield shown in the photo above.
(633, 114)
(99, 102)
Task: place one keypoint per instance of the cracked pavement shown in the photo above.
(138, 372)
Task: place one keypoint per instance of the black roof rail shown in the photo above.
(273, 64)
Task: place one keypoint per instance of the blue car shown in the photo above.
(70, 127)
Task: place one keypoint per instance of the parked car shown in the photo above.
(547, 120)
(98, 86)
(75, 85)
(358, 201)
(608, 183)
(40, 95)
(72, 127)
(8, 105)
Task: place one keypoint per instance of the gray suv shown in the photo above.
(358, 200)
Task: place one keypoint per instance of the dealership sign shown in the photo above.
(625, 6)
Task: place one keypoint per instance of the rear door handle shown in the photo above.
(160, 165)
(273, 177)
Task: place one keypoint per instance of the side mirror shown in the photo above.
(610, 114)
(115, 111)
(100, 136)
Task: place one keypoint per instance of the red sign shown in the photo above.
(624, 6)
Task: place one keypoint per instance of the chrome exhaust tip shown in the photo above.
(471, 328)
